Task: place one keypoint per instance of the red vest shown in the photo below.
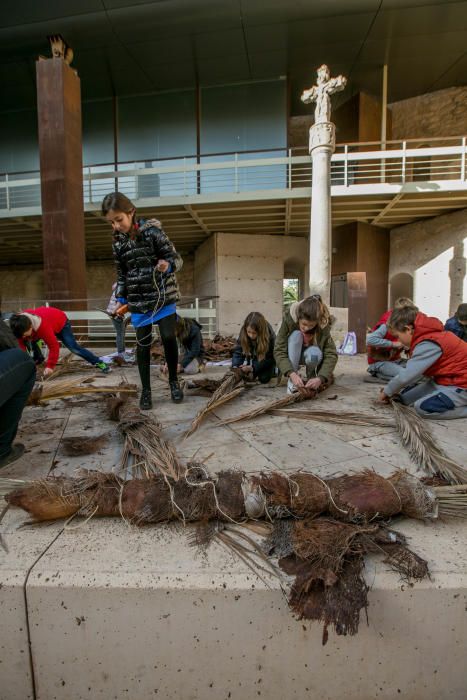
(451, 368)
(375, 354)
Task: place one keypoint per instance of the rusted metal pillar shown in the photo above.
(61, 166)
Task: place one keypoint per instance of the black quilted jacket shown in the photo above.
(144, 288)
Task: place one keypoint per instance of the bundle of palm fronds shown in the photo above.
(235, 496)
(146, 452)
(423, 448)
(320, 532)
(219, 348)
(51, 390)
(227, 390)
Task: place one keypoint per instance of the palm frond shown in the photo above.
(226, 391)
(423, 448)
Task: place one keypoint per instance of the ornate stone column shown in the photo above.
(321, 147)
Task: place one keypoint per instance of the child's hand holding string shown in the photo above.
(162, 266)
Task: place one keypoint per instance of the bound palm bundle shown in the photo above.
(52, 390)
(320, 533)
(423, 448)
(146, 451)
(233, 496)
(227, 390)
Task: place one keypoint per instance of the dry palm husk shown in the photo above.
(219, 348)
(70, 365)
(233, 496)
(79, 445)
(227, 390)
(423, 448)
(52, 390)
(320, 532)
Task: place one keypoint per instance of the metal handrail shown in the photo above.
(348, 168)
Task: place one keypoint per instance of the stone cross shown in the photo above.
(321, 93)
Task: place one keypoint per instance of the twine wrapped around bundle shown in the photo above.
(235, 496)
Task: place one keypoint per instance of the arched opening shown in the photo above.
(401, 285)
(293, 280)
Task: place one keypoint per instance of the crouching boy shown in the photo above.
(436, 354)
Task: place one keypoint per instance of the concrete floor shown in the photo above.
(102, 609)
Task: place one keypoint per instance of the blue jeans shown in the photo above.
(17, 376)
(119, 325)
(70, 342)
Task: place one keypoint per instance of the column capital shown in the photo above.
(322, 135)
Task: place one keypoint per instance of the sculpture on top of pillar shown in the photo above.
(321, 146)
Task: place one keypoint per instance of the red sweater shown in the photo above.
(52, 322)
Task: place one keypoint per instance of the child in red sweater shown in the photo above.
(50, 325)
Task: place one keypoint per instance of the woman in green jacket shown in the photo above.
(304, 338)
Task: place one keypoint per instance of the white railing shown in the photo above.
(353, 165)
(97, 326)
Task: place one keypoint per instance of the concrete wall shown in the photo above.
(247, 273)
(18, 284)
(433, 252)
(437, 114)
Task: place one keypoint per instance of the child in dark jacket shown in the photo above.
(50, 325)
(436, 354)
(304, 338)
(17, 375)
(457, 324)
(254, 351)
(147, 286)
(188, 332)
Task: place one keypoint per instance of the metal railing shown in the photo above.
(215, 176)
(97, 327)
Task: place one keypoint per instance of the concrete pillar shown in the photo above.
(322, 144)
(60, 148)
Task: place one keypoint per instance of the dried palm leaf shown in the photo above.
(52, 390)
(266, 408)
(452, 500)
(226, 391)
(344, 417)
(423, 448)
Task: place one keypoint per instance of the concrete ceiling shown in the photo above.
(129, 47)
(189, 225)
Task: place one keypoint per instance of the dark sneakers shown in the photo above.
(145, 402)
(15, 453)
(176, 391)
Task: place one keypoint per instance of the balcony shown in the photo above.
(257, 192)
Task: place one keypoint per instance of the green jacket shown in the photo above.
(322, 339)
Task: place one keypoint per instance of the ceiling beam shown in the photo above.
(387, 208)
(197, 218)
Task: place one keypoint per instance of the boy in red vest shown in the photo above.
(50, 325)
(436, 354)
(384, 350)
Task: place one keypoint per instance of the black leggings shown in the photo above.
(143, 349)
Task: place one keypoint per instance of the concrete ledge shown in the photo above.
(119, 612)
